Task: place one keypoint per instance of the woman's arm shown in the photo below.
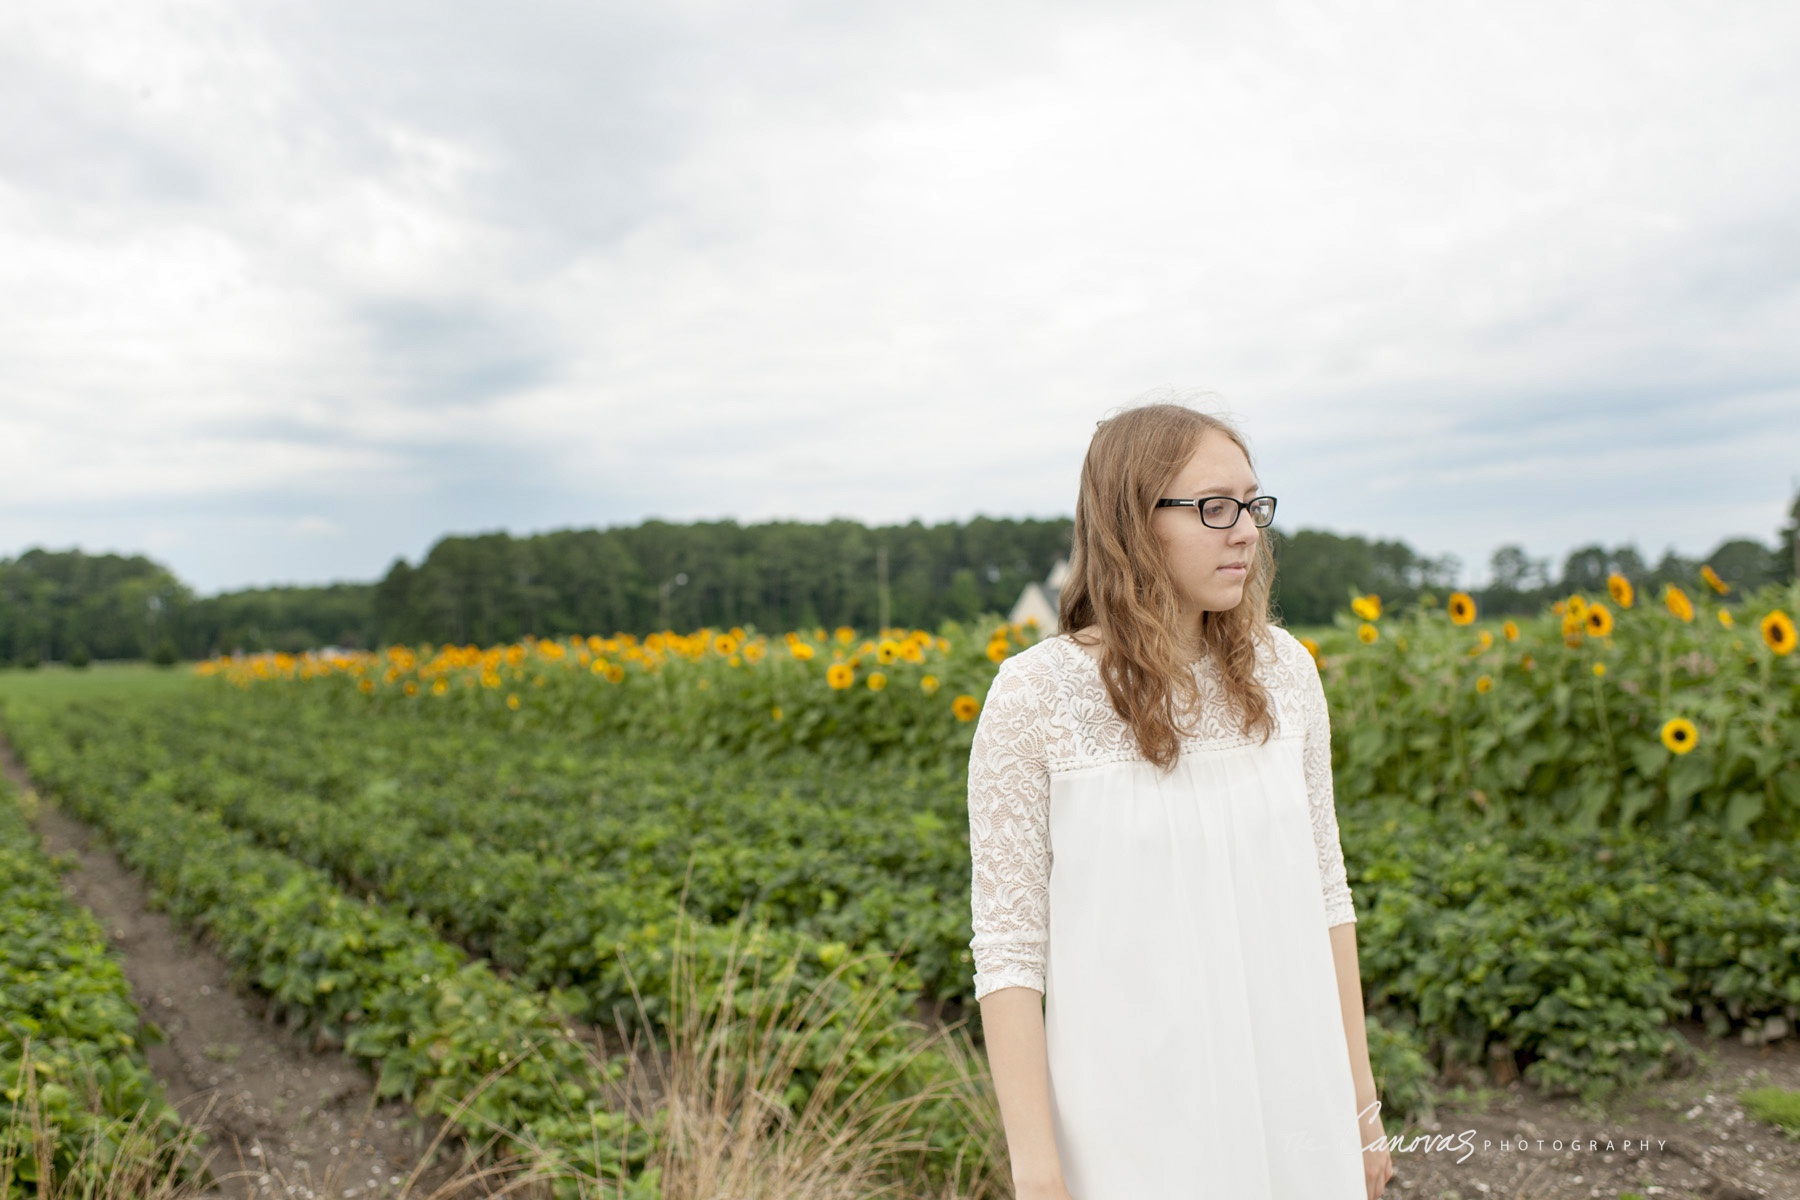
(1340, 921)
(1356, 1030)
(1009, 846)
(1012, 1021)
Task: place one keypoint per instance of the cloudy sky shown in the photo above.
(288, 291)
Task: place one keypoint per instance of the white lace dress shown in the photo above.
(1176, 928)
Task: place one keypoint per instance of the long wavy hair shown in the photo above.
(1118, 581)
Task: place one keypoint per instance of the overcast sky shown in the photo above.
(290, 290)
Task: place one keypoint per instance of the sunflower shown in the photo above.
(1484, 643)
(1577, 607)
(1599, 620)
(725, 645)
(1678, 603)
(1367, 607)
(1599, 668)
(1620, 587)
(1462, 608)
(439, 686)
(1573, 624)
(1778, 632)
(840, 675)
(965, 707)
(1713, 581)
(1312, 648)
(888, 651)
(845, 635)
(1725, 618)
(1679, 734)
(1511, 630)
(1484, 684)
(1366, 634)
(800, 650)
(996, 650)
(877, 681)
(512, 700)
(928, 684)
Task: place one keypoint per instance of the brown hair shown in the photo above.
(1119, 582)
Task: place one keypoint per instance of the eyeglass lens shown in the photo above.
(1221, 512)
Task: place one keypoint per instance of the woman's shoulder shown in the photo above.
(1032, 677)
(1285, 643)
(1043, 659)
(1022, 698)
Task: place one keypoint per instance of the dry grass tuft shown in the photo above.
(128, 1158)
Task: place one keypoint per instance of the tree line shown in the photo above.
(73, 607)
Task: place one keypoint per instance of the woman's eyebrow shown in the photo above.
(1220, 489)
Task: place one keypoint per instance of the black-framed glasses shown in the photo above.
(1222, 512)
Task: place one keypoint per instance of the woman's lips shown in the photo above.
(1238, 570)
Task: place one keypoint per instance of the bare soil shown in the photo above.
(1677, 1138)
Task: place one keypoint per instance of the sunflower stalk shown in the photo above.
(1612, 757)
(1666, 669)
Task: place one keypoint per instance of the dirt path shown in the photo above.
(1683, 1139)
(284, 1118)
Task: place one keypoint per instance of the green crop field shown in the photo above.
(1563, 833)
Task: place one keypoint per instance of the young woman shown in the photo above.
(1165, 950)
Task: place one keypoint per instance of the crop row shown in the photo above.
(564, 930)
(546, 861)
(432, 1021)
(1572, 953)
(67, 1018)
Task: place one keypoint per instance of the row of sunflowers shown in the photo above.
(1591, 712)
(1592, 700)
(825, 690)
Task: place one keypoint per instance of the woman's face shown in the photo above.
(1209, 565)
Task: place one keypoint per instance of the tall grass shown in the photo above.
(138, 1156)
(731, 1122)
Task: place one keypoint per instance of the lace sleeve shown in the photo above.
(1320, 794)
(1009, 829)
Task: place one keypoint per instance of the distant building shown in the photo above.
(1040, 599)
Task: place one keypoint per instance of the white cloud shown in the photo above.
(589, 266)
